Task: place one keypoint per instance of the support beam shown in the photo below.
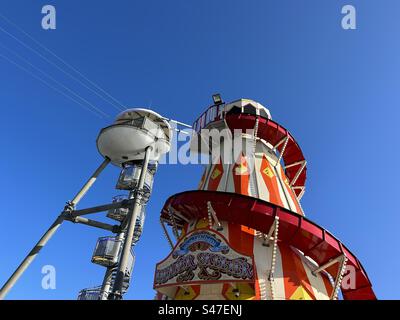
(178, 122)
(282, 151)
(298, 173)
(302, 191)
(280, 142)
(328, 264)
(94, 223)
(339, 278)
(166, 234)
(294, 164)
(342, 260)
(131, 221)
(51, 231)
(116, 205)
(174, 226)
(178, 214)
(213, 215)
(267, 237)
(300, 196)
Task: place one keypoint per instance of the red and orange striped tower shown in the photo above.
(243, 233)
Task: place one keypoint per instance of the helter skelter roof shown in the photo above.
(238, 115)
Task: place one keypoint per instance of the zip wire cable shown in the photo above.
(58, 67)
(53, 79)
(62, 60)
(51, 87)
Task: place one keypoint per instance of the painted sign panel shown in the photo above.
(203, 256)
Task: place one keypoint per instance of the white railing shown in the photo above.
(212, 114)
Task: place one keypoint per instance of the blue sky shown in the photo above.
(337, 91)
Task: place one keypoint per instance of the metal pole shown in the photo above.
(50, 232)
(126, 251)
(106, 207)
(90, 182)
(94, 223)
(105, 287)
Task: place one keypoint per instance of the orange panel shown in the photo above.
(293, 272)
(241, 238)
(241, 176)
(247, 236)
(267, 172)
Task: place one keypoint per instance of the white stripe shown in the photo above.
(262, 259)
(279, 284)
(262, 187)
(211, 292)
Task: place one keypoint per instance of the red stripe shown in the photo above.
(327, 283)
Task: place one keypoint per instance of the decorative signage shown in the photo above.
(203, 255)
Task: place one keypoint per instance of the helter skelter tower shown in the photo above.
(243, 234)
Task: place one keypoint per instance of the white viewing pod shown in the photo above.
(132, 132)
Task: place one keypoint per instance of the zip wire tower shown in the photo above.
(135, 142)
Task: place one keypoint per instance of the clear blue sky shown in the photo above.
(336, 90)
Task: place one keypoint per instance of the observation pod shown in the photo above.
(135, 141)
(133, 131)
(243, 234)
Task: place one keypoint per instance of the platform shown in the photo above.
(298, 231)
